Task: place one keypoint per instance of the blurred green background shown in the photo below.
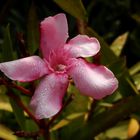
(116, 24)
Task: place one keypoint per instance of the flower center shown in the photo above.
(58, 59)
(60, 67)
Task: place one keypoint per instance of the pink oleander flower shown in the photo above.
(61, 59)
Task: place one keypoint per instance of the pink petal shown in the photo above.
(54, 33)
(47, 100)
(83, 46)
(92, 80)
(25, 69)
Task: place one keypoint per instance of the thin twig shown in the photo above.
(91, 110)
(20, 103)
(24, 134)
(81, 25)
(13, 85)
(44, 129)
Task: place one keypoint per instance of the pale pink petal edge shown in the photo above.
(91, 80)
(54, 33)
(82, 46)
(25, 69)
(48, 96)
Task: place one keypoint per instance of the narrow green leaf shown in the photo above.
(126, 88)
(112, 133)
(66, 121)
(134, 69)
(6, 133)
(4, 100)
(136, 17)
(116, 96)
(7, 50)
(106, 119)
(4, 103)
(118, 44)
(120, 128)
(136, 79)
(66, 133)
(7, 55)
(19, 114)
(107, 55)
(118, 67)
(32, 30)
(5, 106)
(2, 90)
(31, 125)
(75, 105)
(132, 86)
(73, 7)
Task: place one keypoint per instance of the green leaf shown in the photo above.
(132, 85)
(107, 119)
(116, 96)
(6, 133)
(134, 69)
(7, 50)
(73, 115)
(2, 89)
(66, 121)
(4, 101)
(112, 133)
(73, 7)
(19, 114)
(126, 86)
(32, 30)
(120, 128)
(107, 55)
(66, 133)
(31, 125)
(118, 44)
(5, 106)
(136, 79)
(118, 67)
(136, 17)
(75, 105)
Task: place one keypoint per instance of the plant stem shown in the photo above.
(24, 134)
(20, 103)
(44, 129)
(13, 85)
(81, 25)
(92, 108)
